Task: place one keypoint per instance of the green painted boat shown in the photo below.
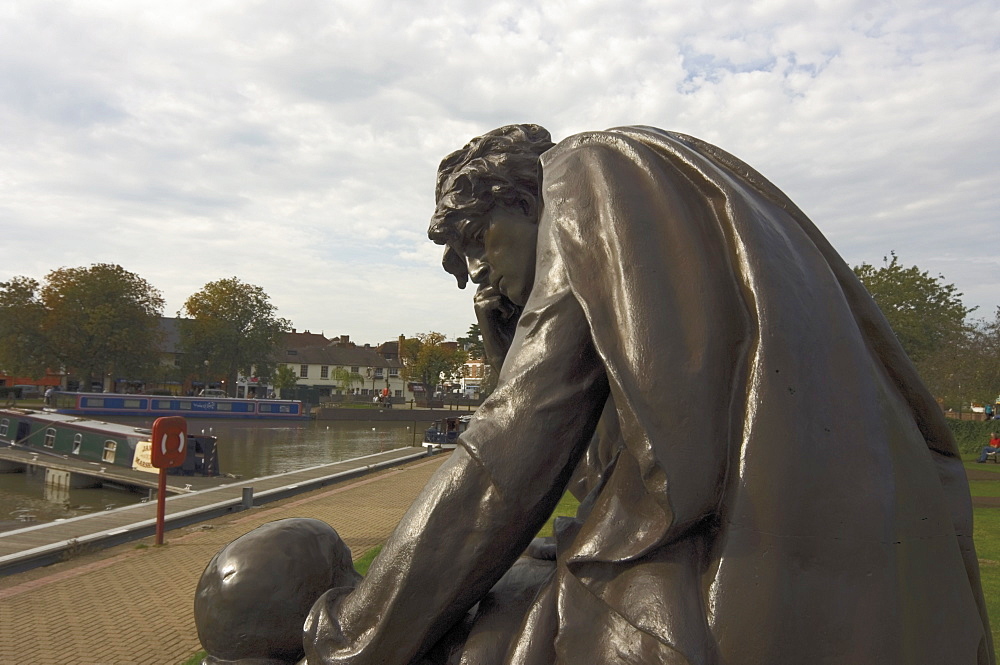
(89, 440)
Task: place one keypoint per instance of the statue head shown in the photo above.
(488, 202)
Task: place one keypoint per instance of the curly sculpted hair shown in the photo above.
(501, 167)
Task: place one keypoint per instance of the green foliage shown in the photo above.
(971, 435)
(346, 378)
(428, 357)
(925, 313)
(978, 368)
(473, 343)
(22, 346)
(232, 326)
(90, 321)
(284, 377)
(929, 320)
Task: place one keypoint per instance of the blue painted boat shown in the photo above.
(113, 404)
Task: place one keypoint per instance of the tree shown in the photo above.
(978, 369)
(925, 313)
(346, 378)
(427, 357)
(473, 343)
(284, 378)
(231, 327)
(91, 321)
(22, 347)
(928, 318)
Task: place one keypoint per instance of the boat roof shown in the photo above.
(76, 422)
(198, 398)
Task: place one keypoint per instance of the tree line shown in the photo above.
(957, 356)
(102, 320)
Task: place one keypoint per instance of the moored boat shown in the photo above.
(89, 440)
(113, 404)
(443, 434)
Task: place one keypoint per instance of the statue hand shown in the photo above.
(497, 317)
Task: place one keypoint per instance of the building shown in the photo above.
(339, 370)
(473, 376)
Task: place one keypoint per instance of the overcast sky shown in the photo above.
(293, 143)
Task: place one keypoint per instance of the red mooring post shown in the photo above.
(161, 505)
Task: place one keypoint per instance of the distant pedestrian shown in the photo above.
(48, 395)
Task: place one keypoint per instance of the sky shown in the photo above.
(293, 143)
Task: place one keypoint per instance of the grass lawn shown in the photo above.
(987, 536)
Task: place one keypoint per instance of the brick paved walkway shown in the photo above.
(132, 605)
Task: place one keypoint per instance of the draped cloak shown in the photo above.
(785, 489)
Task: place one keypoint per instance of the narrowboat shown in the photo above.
(444, 433)
(88, 440)
(113, 404)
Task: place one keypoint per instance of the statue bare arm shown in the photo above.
(484, 505)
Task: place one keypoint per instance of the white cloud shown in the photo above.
(294, 144)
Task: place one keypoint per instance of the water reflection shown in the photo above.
(26, 499)
(248, 449)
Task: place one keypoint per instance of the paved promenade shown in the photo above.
(132, 605)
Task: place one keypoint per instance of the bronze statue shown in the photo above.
(769, 481)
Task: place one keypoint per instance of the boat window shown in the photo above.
(133, 404)
(4, 424)
(184, 405)
(223, 406)
(50, 437)
(161, 403)
(77, 442)
(94, 401)
(109, 451)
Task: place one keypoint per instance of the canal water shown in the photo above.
(247, 448)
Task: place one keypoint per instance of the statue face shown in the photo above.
(506, 260)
